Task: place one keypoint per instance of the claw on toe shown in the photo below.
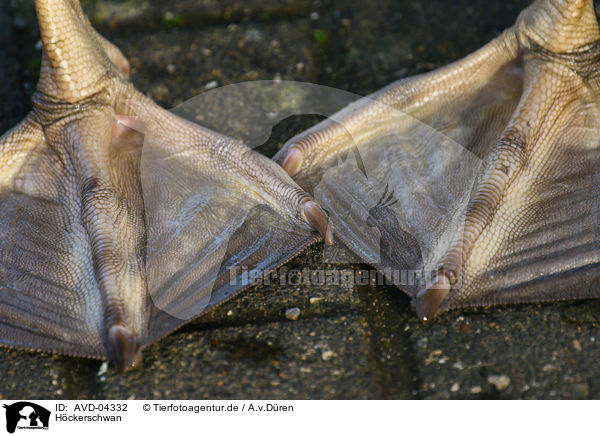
(127, 133)
(132, 123)
(429, 300)
(292, 162)
(315, 215)
(122, 348)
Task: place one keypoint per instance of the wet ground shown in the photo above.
(361, 342)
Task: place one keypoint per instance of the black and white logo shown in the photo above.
(26, 415)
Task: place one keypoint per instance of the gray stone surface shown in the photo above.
(12, 98)
(362, 342)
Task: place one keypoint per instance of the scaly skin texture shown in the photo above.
(74, 234)
(539, 147)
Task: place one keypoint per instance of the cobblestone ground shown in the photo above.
(362, 342)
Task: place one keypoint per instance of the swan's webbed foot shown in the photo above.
(120, 221)
(505, 210)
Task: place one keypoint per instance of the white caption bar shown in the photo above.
(249, 417)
